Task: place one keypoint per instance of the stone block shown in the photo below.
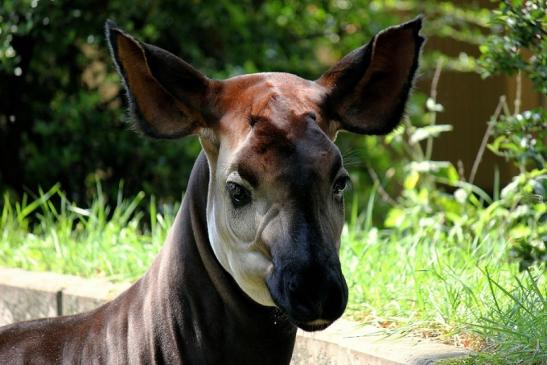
(28, 295)
(346, 342)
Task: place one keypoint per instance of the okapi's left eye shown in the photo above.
(340, 186)
(238, 194)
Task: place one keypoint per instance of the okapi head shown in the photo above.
(275, 205)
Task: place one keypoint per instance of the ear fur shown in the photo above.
(367, 90)
(167, 97)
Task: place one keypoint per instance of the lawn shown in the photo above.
(459, 288)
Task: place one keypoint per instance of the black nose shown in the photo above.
(316, 293)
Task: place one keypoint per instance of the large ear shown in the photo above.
(167, 97)
(367, 89)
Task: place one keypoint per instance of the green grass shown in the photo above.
(460, 289)
(116, 240)
(464, 292)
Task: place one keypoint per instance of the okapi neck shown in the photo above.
(200, 300)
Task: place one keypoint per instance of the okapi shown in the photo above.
(253, 251)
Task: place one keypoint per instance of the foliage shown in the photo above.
(448, 281)
(519, 45)
(523, 205)
(518, 211)
(521, 138)
(61, 118)
(518, 42)
(446, 226)
(443, 264)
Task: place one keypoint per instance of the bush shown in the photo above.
(519, 45)
(61, 118)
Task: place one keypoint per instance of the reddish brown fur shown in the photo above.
(277, 129)
(269, 96)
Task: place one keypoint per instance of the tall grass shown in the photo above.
(117, 241)
(459, 288)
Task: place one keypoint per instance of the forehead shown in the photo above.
(254, 93)
(277, 97)
(271, 154)
(283, 140)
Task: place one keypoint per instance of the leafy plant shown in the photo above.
(61, 118)
(521, 138)
(519, 45)
(518, 41)
(439, 206)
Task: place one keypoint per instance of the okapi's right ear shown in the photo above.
(167, 97)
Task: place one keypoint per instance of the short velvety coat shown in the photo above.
(231, 284)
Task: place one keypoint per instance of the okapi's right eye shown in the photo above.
(340, 185)
(312, 116)
(238, 194)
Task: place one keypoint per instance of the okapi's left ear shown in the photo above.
(367, 90)
(167, 97)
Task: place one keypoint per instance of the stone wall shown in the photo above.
(28, 295)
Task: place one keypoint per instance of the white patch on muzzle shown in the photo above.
(246, 262)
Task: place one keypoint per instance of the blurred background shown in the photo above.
(62, 117)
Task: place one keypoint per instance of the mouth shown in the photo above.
(312, 326)
(309, 326)
(304, 324)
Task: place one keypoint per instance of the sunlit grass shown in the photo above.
(117, 241)
(466, 291)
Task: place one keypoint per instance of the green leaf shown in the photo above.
(429, 166)
(433, 106)
(411, 180)
(394, 218)
(429, 131)
(452, 174)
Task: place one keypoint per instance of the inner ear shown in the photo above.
(167, 97)
(368, 89)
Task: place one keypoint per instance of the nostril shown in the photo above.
(292, 286)
(336, 301)
(333, 307)
(307, 311)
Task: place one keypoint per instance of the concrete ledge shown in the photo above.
(28, 295)
(346, 342)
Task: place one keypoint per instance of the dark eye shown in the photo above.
(340, 185)
(238, 194)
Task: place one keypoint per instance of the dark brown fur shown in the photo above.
(187, 309)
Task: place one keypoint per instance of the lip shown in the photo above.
(312, 326)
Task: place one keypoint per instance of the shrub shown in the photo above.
(61, 118)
